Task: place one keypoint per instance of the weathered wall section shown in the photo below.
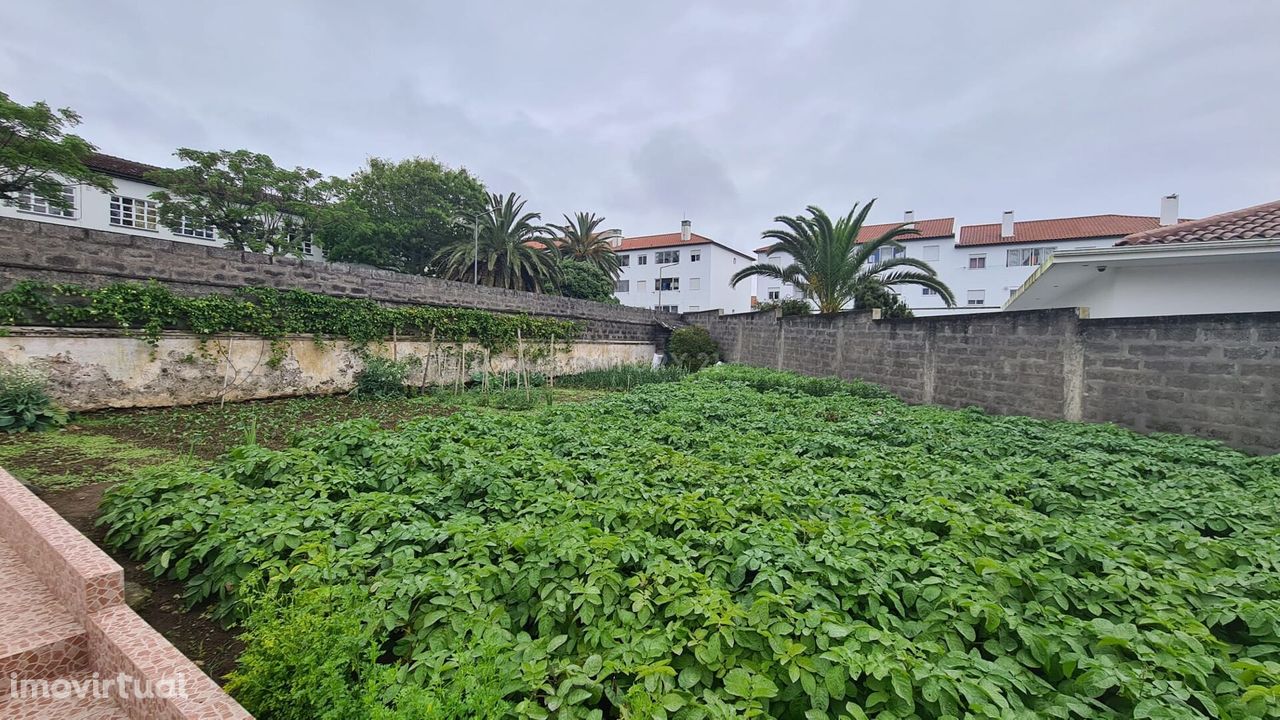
(58, 253)
(95, 369)
(1216, 376)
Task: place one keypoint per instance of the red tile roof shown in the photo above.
(1076, 228)
(929, 230)
(666, 240)
(119, 167)
(1251, 223)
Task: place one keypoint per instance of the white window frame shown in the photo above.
(773, 294)
(667, 308)
(124, 213)
(624, 260)
(932, 252)
(666, 257)
(1028, 257)
(695, 283)
(621, 286)
(978, 261)
(29, 202)
(667, 284)
(188, 228)
(642, 259)
(695, 255)
(928, 291)
(642, 286)
(976, 297)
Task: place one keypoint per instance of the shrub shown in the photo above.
(872, 295)
(383, 377)
(585, 281)
(788, 306)
(25, 404)
(693, 348)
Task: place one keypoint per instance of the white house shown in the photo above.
(934, 244)
(128, 210)
(992, 261)
(681, 272)
(1220, 264)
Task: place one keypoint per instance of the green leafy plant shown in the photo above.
(382, 377)
(25, 405)
(693, 348)
(744, 543)
(788, 306)
(622, 377)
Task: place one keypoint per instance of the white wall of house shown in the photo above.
(698, 279)
(127, 210)
(996, 277)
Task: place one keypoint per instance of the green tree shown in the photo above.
(37, 154)
(788, 306)
(399, 215)
(516, 251)
(583, 280)
(832, 268)
(580, 238)
(252, 202)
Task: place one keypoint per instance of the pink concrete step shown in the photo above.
(72, 699)
(38, 636)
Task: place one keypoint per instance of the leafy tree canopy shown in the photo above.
(254, 203)
(515, 249)
(37, 153)
(581, 238)
(400, 215)
(579, 279)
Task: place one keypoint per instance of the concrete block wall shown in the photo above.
(1214, 376)
(32, 250)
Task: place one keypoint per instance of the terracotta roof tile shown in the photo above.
(929, 230)
(665, 240)
(1076, 228)
(1252, 223)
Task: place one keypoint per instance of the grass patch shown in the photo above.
(622, 377)
(70, 458)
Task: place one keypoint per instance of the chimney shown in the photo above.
(615, 237)
(1169, 210)
(686, 230)
(1006, 224)
(909, 217)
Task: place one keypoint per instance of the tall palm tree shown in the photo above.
(581, 239)
(515, 250)
(831, 267)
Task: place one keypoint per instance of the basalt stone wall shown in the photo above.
(60, 253)
(1215, 376)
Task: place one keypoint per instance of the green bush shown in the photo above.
(788, 306)
(585, 281)
(383, 377)
(314, 656)
(692, 348)
(24, 401)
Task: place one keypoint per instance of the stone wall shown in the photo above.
(95, 369)
(1216, 376)
(59, 253)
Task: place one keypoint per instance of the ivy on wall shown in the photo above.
(148, 309)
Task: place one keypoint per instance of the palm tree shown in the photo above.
(580, 239)
(515, 250)
(831, 267)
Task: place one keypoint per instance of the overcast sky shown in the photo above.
(731, 112)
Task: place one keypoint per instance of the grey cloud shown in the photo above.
(731, 111)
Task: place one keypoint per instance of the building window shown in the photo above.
(622, 286)
(695, 255)
(977, 297)
(1012, 291)
(695, 283)
(667, 308)
(134, 213)
(642, 285)
(886, 253)
(774, 294)
(930, 252)
(666, 257)
(1028, 256)
(977, 262)
(624, 261)
(308, 248)
(642, 259)
(29, 201)
(189, 228)
(668, 284)
(929, 291)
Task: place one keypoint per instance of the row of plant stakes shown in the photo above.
(740, 543)
(148, 309)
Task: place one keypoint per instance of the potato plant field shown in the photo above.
(740, 543)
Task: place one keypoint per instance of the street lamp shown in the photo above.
(660, 269)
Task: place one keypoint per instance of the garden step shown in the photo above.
(39, 638)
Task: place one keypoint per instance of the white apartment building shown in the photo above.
(127, 210)
(681, 272)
